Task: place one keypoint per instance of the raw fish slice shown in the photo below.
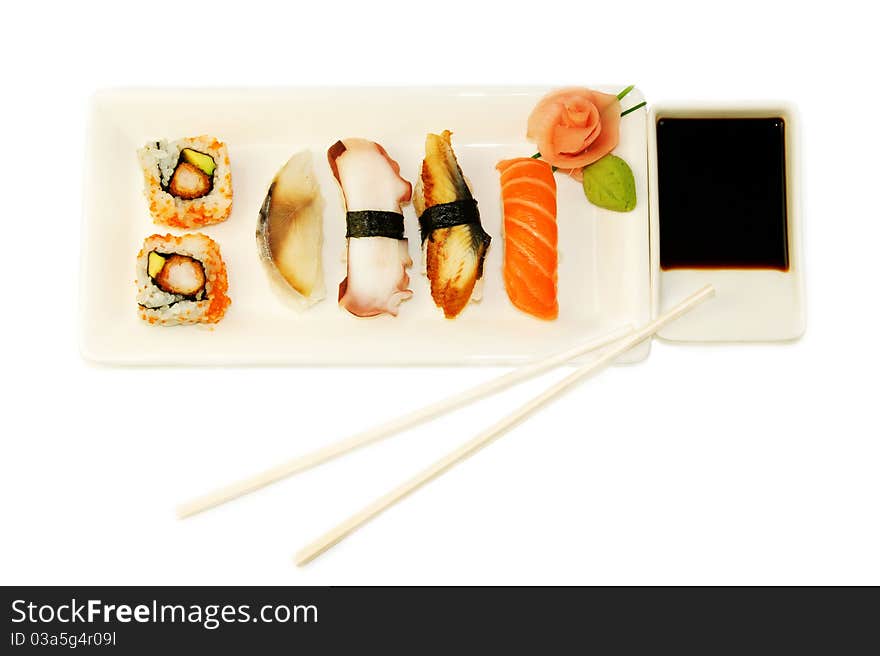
(376, 262)
(376, 277)
(453, 254)
(290, 233)
(528, 194)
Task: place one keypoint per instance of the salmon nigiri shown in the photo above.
(528, 194)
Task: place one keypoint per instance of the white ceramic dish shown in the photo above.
(750, 305)
(604, 271)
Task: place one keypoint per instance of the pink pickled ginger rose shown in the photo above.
(574, 127)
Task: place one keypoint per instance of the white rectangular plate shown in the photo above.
(604, 269)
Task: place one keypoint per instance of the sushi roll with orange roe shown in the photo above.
(181, 280)
(188, 182)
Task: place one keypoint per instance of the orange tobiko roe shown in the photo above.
(574, 127)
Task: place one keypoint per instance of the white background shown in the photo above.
(740, 464)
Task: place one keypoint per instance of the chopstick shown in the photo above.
(441, 466)
(341, 447)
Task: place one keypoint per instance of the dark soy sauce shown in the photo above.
(721, 189)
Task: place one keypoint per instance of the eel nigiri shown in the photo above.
(528, 194)
(377, 254)
(453, 239)
(290, 233)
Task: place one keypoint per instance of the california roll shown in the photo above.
(188, 182)
(181, 280)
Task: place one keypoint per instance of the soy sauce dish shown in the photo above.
(725, 211)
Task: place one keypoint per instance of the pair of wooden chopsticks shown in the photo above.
(625, 339)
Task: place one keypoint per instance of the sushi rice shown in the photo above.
(160, 159)
(161, 307)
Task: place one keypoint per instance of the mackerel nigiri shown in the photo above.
(528, 194)
(290, 233)
(453, 239)
(377, 255)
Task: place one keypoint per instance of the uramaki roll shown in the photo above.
(181, 280)
(188, 182)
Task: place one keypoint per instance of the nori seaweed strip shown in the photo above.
(374, 223)
(447, 215)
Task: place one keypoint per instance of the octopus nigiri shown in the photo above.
(453, 239)
(377, 253)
